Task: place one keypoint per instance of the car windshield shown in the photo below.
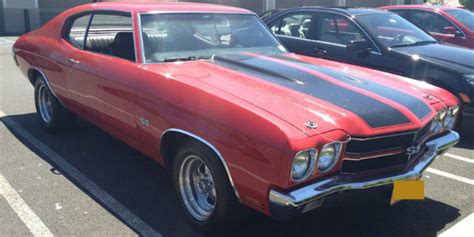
(464, 16)
(179, 37)
(394, 31)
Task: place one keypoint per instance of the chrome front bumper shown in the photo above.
(284, 206)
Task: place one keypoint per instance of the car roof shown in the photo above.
(350, 11)
(141, 7)
(421, 7)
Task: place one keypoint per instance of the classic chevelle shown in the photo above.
(209, 92)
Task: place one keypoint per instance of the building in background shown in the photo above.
(19, 16)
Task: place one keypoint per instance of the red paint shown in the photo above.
(467, 41)
(257, 126)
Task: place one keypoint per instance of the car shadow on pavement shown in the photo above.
(145, 189)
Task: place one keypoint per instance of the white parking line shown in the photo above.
(468, 160)
(464, 228)
(31, 220)
(451, 176)
(115, 206)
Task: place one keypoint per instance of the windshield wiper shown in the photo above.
(416, 43)
(189, 58)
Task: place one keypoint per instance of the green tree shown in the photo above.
(469, 4)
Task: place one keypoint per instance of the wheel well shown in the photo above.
(173, 139)
(33, 74)
(170, 144)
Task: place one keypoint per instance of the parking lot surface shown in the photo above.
(85, 182)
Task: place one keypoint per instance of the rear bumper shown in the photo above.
(284, 206)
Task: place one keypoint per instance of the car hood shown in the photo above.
(449, 56)
(300, 89)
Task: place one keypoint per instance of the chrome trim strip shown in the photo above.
(134, 37)
(47, 83)
(383, 136)
(140, 31)
(338, 183)
(212, 148)
(372, 157)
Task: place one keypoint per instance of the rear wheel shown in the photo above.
(204, 190)
(53, 116)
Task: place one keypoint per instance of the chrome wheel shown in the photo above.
(197, 188)
(45, 101)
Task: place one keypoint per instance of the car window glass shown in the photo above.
(338, 30)
(430, 22)
(464, 16)
(111, 34)
(295, 25)
(170, 36)
(393, 30)
(77, 31)
(403, 13)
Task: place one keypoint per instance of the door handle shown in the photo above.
(73, 61)
(319, 51)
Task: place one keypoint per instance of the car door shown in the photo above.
(339, 38)
(438, 26)
(293, 29)
(82, 88)
(110, 50)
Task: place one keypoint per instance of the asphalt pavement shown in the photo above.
(84, 182)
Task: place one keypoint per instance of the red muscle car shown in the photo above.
(448, 24)
(209, 92)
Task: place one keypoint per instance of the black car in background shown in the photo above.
(380, 40)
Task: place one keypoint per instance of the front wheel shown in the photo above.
(204, 190)
(53, 116)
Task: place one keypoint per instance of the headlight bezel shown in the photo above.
(444, 119)
(337, 154)
(450, 119)
(313, 154)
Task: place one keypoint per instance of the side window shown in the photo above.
(338, 30)
(77, 31)
(111, 34)
(403, 13)
(430, 22)
(295, 25)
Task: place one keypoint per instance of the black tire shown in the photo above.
(228, 211)
(58, 118)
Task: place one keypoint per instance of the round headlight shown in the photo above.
(328, 156)
(451, 117)
(442, 114)
(436, 124)
(302, 165)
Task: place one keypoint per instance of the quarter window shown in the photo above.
(338, 30)
(111, 34)
(295, 25)
(77, 31)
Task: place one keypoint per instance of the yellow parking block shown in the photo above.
(408, 190)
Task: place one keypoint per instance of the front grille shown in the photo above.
(383, 148)
(361, 166)
(422, 132)
(380, 144)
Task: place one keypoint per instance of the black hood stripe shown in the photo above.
(415, 105)
(375, 113)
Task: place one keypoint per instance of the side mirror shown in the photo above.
(358, 45)
(451, 30)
